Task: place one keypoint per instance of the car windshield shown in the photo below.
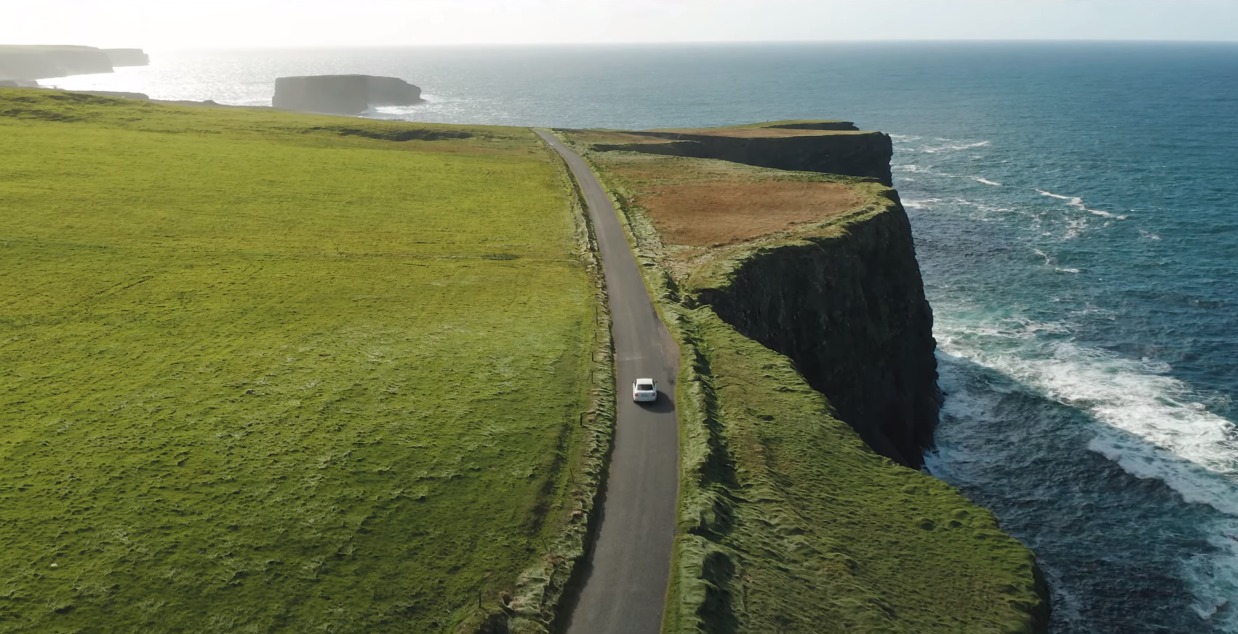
(644, 387)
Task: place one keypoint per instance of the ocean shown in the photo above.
(1075, 207)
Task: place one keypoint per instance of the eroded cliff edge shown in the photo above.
(850, 312)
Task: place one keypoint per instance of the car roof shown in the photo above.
(645, 381)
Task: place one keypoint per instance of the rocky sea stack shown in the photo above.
(343, 94)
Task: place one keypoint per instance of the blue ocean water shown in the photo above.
(1076, 216)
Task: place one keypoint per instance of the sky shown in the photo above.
(164, 24)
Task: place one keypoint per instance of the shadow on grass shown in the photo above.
(717, 613)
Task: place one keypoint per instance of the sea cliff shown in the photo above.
(808, 386)
(850, 311)
(30, 63)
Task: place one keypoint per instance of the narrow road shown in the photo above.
(626, 577)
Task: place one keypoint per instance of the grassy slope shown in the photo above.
(788, 522)
(255, 374)
(825, 535)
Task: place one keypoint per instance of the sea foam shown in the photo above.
(1163, 429)
(950, 145)
(1153, 426)
(1077, 203)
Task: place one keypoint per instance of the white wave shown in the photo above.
(1053, 195)
(1073, 201)
(1169, 433)
(920, 204)
(1006, 331)
(1074, 228)
(913, 168)
(1192, 482)
(981, 179)
(1051, 261)
(1155, 428)
(979, 206)
(1148, 235)
(1077, 203)
(953, 146)
(905, 137)
(1104, 214)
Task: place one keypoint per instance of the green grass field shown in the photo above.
(788, 522)
(271, 372)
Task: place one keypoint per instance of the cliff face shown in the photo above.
(389, 91)
(850, 311)
(343, 94)
(864, 154)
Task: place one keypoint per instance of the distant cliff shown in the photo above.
(29, 63)
(343, 94)
(839, 149)
(127, 57)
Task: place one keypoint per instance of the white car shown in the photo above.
(644, 390)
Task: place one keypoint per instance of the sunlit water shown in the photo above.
(1076, 217)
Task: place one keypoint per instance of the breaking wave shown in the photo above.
(1077, 203)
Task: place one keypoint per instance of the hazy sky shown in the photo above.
(243, 23)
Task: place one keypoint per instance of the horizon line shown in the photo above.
(264, 47)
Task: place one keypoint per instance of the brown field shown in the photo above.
(714, 214)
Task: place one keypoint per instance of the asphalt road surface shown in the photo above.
(626, 576)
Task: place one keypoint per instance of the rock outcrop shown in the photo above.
(343, 94)
(30, 63)
(850, 312)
